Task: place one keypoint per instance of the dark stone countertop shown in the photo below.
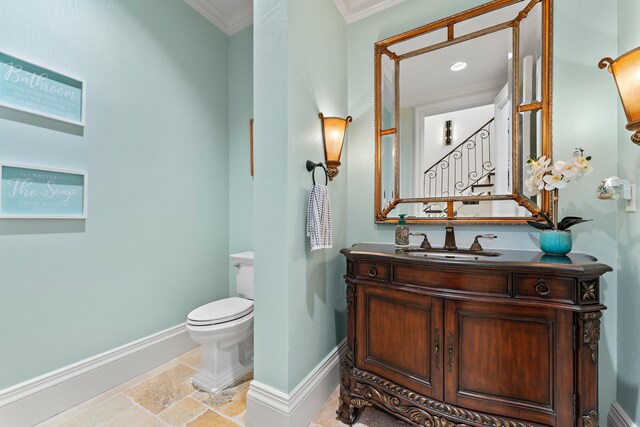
(508, 258)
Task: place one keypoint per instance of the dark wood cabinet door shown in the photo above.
(399, 337)
(510, 359)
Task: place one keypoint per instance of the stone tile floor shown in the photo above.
(165, 397)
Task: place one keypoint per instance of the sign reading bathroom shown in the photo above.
(28, 87)
(28, 192)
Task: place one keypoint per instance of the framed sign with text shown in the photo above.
(34, 192)
(28, 87)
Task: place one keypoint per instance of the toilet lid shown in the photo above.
(221, 311)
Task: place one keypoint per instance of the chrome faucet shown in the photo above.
(450, 238)
(425, 242)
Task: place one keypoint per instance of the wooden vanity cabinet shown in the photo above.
(396, 328)
(455, 344)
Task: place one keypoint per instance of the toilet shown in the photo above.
(224, 329)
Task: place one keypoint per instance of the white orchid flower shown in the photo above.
(559, 167)
(566, 169)
(554, 181)
(571, 170)
(532, 186)
(581, 162)
(581, 166)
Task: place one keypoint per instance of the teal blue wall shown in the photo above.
(628, 235)
(271, 221)
(579, 120)
(299, 70)
(585, 116)
(240, 111)
(155, 148)
(317, 74)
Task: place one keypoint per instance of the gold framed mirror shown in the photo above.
(461, 104)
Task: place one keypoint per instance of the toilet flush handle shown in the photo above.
(237, 266)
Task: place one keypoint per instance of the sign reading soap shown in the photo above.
(41, 193)
(28, 87)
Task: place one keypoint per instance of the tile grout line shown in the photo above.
(214, 410)
(157, 416)
(189, 396)
(136, 403)
(133, 405)
(205, 407)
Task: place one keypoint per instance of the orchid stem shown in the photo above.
(555, 208)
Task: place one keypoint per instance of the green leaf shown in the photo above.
(540, 225)
(567, 218)
(546, 218)
(566, 223)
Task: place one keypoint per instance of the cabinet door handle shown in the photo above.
(450, 355)
(373, 271)
(436, 347)
(542, 288)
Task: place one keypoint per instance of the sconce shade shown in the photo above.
(333, 131)
(626, 72)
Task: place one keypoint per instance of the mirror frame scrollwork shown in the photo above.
(384, 48)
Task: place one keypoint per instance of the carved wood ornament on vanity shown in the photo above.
(443, 342)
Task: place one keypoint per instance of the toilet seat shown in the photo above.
(221, 311)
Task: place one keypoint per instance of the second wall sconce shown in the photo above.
(447, 132)
(333, 131)
(626, 73)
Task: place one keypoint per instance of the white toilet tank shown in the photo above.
(243, 262)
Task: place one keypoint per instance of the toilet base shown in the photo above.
(204, 382)
(223, 363)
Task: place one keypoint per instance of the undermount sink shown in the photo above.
(453, 254)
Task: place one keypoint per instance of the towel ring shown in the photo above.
(311, 167)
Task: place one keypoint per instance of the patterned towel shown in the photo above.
(319, 217)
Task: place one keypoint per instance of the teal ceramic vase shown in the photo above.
(556, 259)
(555, 242)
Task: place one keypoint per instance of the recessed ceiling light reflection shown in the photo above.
(458, 66)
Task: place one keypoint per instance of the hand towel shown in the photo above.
(319, 217)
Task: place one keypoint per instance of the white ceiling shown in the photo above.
(233, 15)
(427, 78)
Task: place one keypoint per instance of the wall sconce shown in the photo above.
(613, 188)
(626, 73)
(333, 131)
(447, 132)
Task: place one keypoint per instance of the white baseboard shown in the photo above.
(268, 407)
(38, 399)
(618, 418)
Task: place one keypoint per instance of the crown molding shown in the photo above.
(242, 21)
(229, 26)
(351, 11)
(355, 10)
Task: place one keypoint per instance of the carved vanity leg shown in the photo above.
(346, 412)
(589, 337)
(349, 409)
